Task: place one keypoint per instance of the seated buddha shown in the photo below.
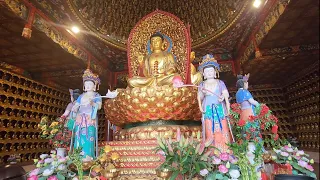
(157, 68)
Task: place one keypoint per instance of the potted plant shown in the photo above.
(298, 160)
(105, 164)
(58, 135)
(51, 167)
(184, 157)
(248, 132)
(223, 166)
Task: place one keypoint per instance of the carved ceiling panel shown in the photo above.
(112, 20)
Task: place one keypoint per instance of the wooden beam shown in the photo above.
(64, 73)
(22, 54)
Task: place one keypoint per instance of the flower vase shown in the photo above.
(61, 152)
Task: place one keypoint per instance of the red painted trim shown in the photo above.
(30, 17)
(147, 16)
(188, 73)
(116, 74)
(262, 19)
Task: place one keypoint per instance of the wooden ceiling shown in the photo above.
(43, 59)
(299, 25)
(290, 46)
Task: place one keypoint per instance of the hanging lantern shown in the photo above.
(26, 33)
(258, 52)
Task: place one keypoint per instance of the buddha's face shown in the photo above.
(156, 43)
(209, 73)
(89, 86)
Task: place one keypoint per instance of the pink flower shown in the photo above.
(53, 178)
(161, 153)
(224, 156)
(34, 177)
(233, 159)
(300, 153)
(309, 167)
(297, 157)
(302, 163)
(62, 159)
(223, 168)
(216, 160)
(34, 172)
(177, 81)
(178, 134)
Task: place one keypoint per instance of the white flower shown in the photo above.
(289, 149)
(43, 156)
(285, 154)
(204, 172)
(47, 172)
(87, 159)
(234, 173)
(48, 161)
(300, 153)
(75, 178)
(53, 152)
(54, 163)
(62, 160)
(61, 167)
(276, 150)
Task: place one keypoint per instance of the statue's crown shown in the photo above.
(208, 60)
(89, 76)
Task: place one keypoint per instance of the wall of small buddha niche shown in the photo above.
(22, 104)
(303, 104)
(296, 105)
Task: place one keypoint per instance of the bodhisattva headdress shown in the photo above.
(244, 78)
(89, 76)
(209, 61)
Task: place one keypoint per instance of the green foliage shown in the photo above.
(186, 157)
(76, 158)
(296, 158)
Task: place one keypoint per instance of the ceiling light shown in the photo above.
(75, 29)
(256, 3)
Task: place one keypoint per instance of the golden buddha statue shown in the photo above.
(157, 68)
(196, 76)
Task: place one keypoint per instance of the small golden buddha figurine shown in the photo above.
(196, 76)
(157, 68)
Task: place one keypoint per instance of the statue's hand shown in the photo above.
(112, 94)
(192, 56)
(92, 103)
(75, 108)
(221, 98)
(140, 59)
